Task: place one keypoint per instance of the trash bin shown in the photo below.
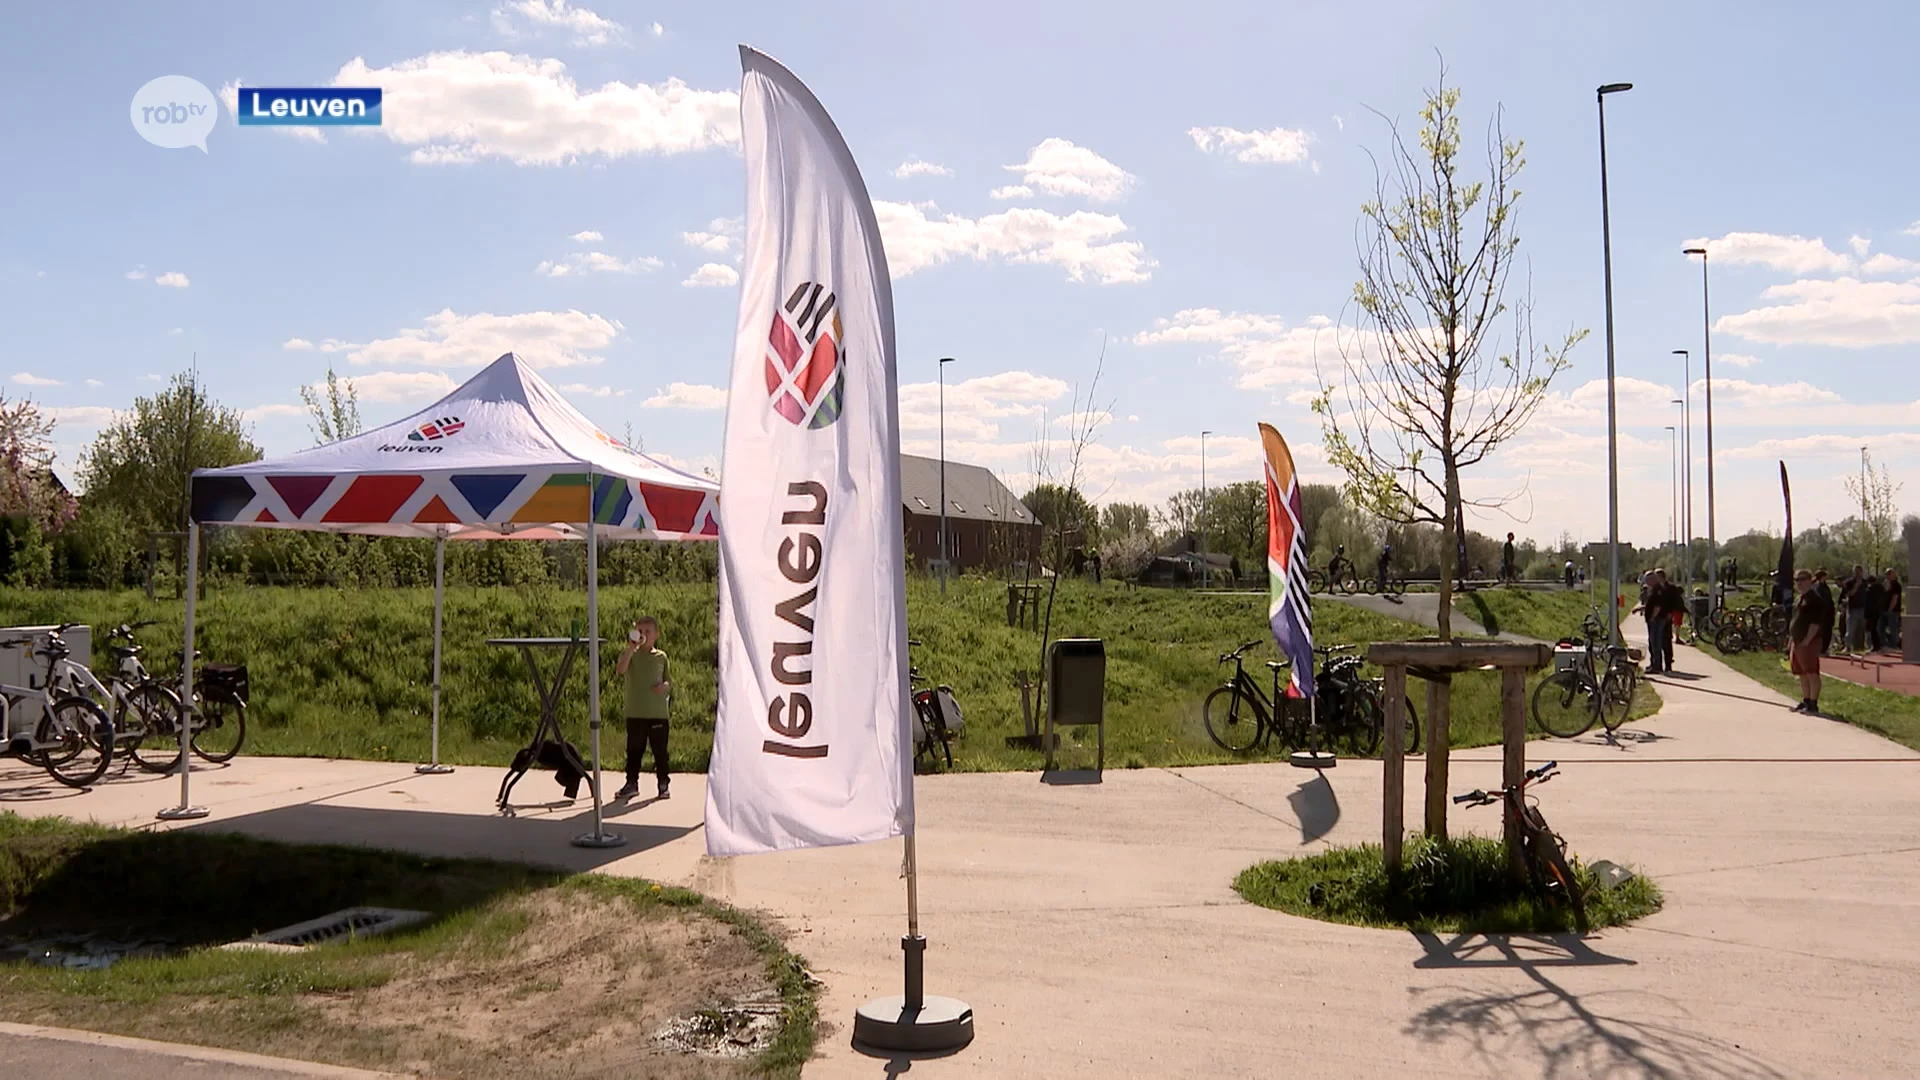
(1077, 690)
(1702, 608)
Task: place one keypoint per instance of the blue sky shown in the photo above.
(560, 179)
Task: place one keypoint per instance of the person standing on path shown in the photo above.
(644, 668)
(1896, 608)
(1663, 599)
(1507, 574)
(1876, 591)
(1853, 592)
(1807, 637)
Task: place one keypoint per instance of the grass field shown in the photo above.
(565, 975)
(341, 673)
(1545, 614)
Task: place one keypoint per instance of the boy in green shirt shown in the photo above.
(645, 669)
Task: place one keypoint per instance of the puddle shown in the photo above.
(738, 1030)
(81, 952)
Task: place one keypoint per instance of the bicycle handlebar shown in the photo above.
(1479, 797)
(1235, 654)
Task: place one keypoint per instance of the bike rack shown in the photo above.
(1437, 662)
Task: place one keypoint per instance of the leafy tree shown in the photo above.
(1871, 535)
(1429, 384)
(1125, 519)
(28, 489)
(333, 414)
(1065, 512)
(139, 463)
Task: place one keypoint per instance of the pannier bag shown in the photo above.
(230, 679)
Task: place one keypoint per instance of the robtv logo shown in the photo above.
(332, 106)
(175, 112)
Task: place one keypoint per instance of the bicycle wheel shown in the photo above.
(1616, 697)
(76, 741)
(1366, 721)
(219, 728)
(148, 726)
(1413, 727)
(1347, 581)
(1316, 581)
(1565, 704)
(1232, 722)
(1560, 884)
(1729, 638)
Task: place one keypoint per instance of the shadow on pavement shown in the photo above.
(900, 1062)
(534, 840)
(1070, 777)
(1565, 1033)
(1770, 703)
(1316, 807)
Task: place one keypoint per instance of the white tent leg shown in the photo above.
(186, 811)
(600, 837)
(433, 765)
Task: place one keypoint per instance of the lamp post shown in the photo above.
(1613, 438)
(944, 361)
(1206, 569)
(1686, 471)
(1706, 339)
(1673, 521)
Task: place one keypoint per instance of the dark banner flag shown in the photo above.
(1783, 581)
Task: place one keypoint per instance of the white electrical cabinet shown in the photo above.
(20, 665)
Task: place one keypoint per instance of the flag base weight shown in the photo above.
(1311, 759)
(599, 840)
(913, 1021)
(433, 770)
(182, 813)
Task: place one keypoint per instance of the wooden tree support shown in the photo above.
(1437, 662)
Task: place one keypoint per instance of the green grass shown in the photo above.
(1445, 886)
(1543, 614)
(345, 673)
(199, 889)
(1884, 712)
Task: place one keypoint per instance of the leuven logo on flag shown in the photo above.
(805, 376)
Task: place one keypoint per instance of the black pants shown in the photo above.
(1660, 644)
(642, 734)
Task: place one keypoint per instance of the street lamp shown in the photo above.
(1206, 569)
(1613, 447)
(944, 361)
(1673, 521)
(1686, 471)
(1706, 331)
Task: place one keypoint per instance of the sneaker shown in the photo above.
(631, 789)
(664, 793)
(1799, 708)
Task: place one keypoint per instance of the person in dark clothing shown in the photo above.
(1832, 609)
(1807, 636)
(1380, 569)
(1663, 599)
(644, 668)
(1507, 572)
(1569, 571)
(1876, 591)
(1733, 573)
(1853, 593)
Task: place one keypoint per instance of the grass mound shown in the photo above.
(1446, 886)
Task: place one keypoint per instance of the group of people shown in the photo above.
(1665, 607)
(1867, 601)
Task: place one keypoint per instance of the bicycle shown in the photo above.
(938, 714)
(1578, 695)
(1542, 850)
(146, 712)
(1392, 585)
(74, 739)
(1240, 715)
(216, 711)
(1339, 576)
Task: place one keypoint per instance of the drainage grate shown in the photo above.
(351, 923)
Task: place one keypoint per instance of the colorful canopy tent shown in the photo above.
(502, 457)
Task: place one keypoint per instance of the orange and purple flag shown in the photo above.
(1289, 611)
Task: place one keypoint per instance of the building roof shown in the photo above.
(972, 492)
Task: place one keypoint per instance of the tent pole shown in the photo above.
(433, 765)
(600, 837)
(186, 811)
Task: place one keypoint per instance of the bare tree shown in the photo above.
(1873, 532)
(1428, 384)
(334, 414)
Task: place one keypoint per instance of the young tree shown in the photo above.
(139, 463)
(335, 413)
(1871, 535)
(1429, 384)
(1125, 519)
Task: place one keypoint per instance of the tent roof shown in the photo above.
(502, 455)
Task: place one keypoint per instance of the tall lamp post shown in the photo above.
(1686, 470)
(1206, 568)
(1613, 437)
(1673, 521)
(944, 361)
(1706, 339)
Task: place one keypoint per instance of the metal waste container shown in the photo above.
(1077, 691)
(1702, 608)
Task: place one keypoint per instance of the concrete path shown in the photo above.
(28, 1050)
(1416, 607)
(1094, 929)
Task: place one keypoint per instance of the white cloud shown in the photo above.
(328, 345)
(262, 412)
(597, 262)
(137, 274)
(1011, 191)
(297, 345)
(1081, 242)
(587, 390)
(176, 331)
(587, 236)
(916, 167)
(1281, 145)
(1790, 254)
(588, 28)
(977, 407)
(1841, 446)
(172, 279)
(1738, 360)
(1911, 230)
(399, 386)
(657, 29)
(1842, 312)
(86, 416)
(1884, 263)
(715, 275)
(1058, 167)
(1860, 245)
(687, 396)
(1266, 351)
(28, 378)
(719, 236)
(1742, 392)
(1339, 124)
(543, 338)
(96, 383)
(459, 107)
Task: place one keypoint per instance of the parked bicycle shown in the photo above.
(1241, 716)
(1592, 683)
(1542, 850)
(147, 708)
(937, 715)
(74, 738)
(1754, 627)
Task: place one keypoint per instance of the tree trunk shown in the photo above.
(1450, 541)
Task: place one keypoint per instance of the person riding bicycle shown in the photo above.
(1339, 563)
(1380, 571)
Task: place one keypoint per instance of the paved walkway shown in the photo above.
(1094, 929)
(1417, 607)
